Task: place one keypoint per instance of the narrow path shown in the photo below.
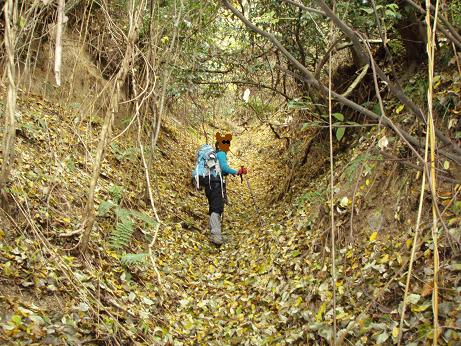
(227, 296)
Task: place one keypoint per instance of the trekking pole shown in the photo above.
(254, 199)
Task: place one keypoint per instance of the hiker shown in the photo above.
(210, 172)
(216, 192)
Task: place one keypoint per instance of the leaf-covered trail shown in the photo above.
(224, 292)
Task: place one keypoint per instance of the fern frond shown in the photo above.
(122, 214)
(122, 233)
(133, 258)
(105, 207)
(143, 217)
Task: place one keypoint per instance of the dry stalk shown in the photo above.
(332, 217)
(413, 249)
(455, 53)
(137, 115)
(381, 107)
(430, 141)
(431, 30)
(58, 49)
(9, 131)
(357, 80)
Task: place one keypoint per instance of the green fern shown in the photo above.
(105, 207)
(116, 193)
(123, 231)
(133, 258)
(149, 221)
(125, 227)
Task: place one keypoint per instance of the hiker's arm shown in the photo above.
(223, 164)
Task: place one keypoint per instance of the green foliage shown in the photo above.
(105, 207)
(126, 224)
(148, 221)
(351, 169)
(266, 18)
(115, 192)
(340, 124)
(133, 258)
(130, 153)
(126, 220)
(389, 10)
(455, 12)
(396, 47)
(340, 133)
(299, 103)
(311, 197)
(362, 15)
(259, 107)
(123, 231)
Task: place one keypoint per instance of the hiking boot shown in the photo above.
(216, 239)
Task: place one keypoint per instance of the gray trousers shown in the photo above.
(215, 223)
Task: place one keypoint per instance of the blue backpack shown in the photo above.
(206, 166)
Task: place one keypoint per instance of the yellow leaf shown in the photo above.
(384, 259)
(367, 182)
(298, 301)
(2, 234)
(373, 236)
(113, 254)
(399, 108)
(395, 332)
(341, 290)
(446, 165)
(211, 268)
(322, 309)
(408, 243)
(420, 308)
(436, 81)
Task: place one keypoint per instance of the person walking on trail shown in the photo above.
(215, 190)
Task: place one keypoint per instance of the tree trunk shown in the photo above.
(413, 33)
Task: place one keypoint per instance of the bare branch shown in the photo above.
(450, 31)
(88, 216)
(356, 81)
(305, 8)
(237, 82)
(310, 79)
